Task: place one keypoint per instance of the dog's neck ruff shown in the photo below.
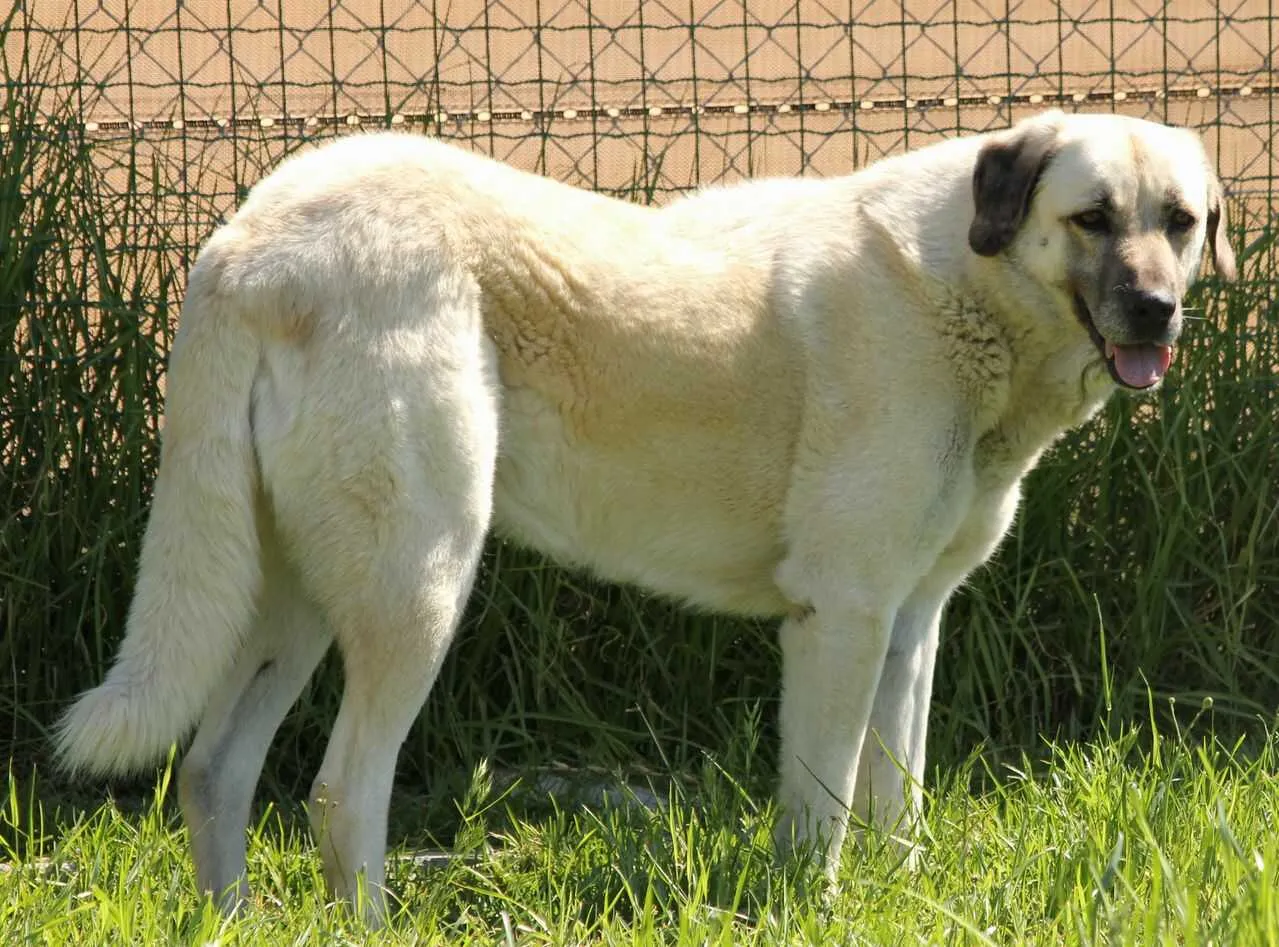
(1023, 392)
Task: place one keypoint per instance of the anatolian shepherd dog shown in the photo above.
(809, 399)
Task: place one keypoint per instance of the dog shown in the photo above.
(812, 400)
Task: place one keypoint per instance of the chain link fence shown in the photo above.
(645, 98)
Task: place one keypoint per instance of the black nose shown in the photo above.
(1148, 310)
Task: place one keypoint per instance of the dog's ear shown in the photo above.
(1223, 257)
(1008, 168)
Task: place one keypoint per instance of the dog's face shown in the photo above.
(1112, 215)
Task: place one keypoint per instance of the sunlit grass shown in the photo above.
(1125, 840)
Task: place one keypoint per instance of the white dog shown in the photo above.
(795, 398)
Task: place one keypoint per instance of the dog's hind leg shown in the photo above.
(393, 639)
(384, 503)
(391, 657)
(220, 772)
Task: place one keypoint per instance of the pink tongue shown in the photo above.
(1142, 365)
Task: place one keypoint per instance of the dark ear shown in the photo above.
(1223, 257)
(1008, 168)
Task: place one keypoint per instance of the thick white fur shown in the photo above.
(794, 398)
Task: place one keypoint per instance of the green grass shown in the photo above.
(1126, 840)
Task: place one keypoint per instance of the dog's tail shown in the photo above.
(200, 568)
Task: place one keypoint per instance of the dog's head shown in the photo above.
(1112, 215)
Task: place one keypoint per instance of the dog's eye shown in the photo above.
(1094, 221)
(1180, 220)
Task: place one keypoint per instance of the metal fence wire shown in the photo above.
(646, 98)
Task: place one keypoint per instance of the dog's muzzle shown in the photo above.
(1143, 359)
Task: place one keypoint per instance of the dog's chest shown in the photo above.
(1022, 393)
(1066, 394)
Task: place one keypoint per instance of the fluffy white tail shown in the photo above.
(200, 569)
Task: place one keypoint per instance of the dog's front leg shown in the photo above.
(890, 774)
(831, 662)
(849, 571)
(866, 520)
(889, 791)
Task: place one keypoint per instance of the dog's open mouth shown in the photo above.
(1138, 365)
